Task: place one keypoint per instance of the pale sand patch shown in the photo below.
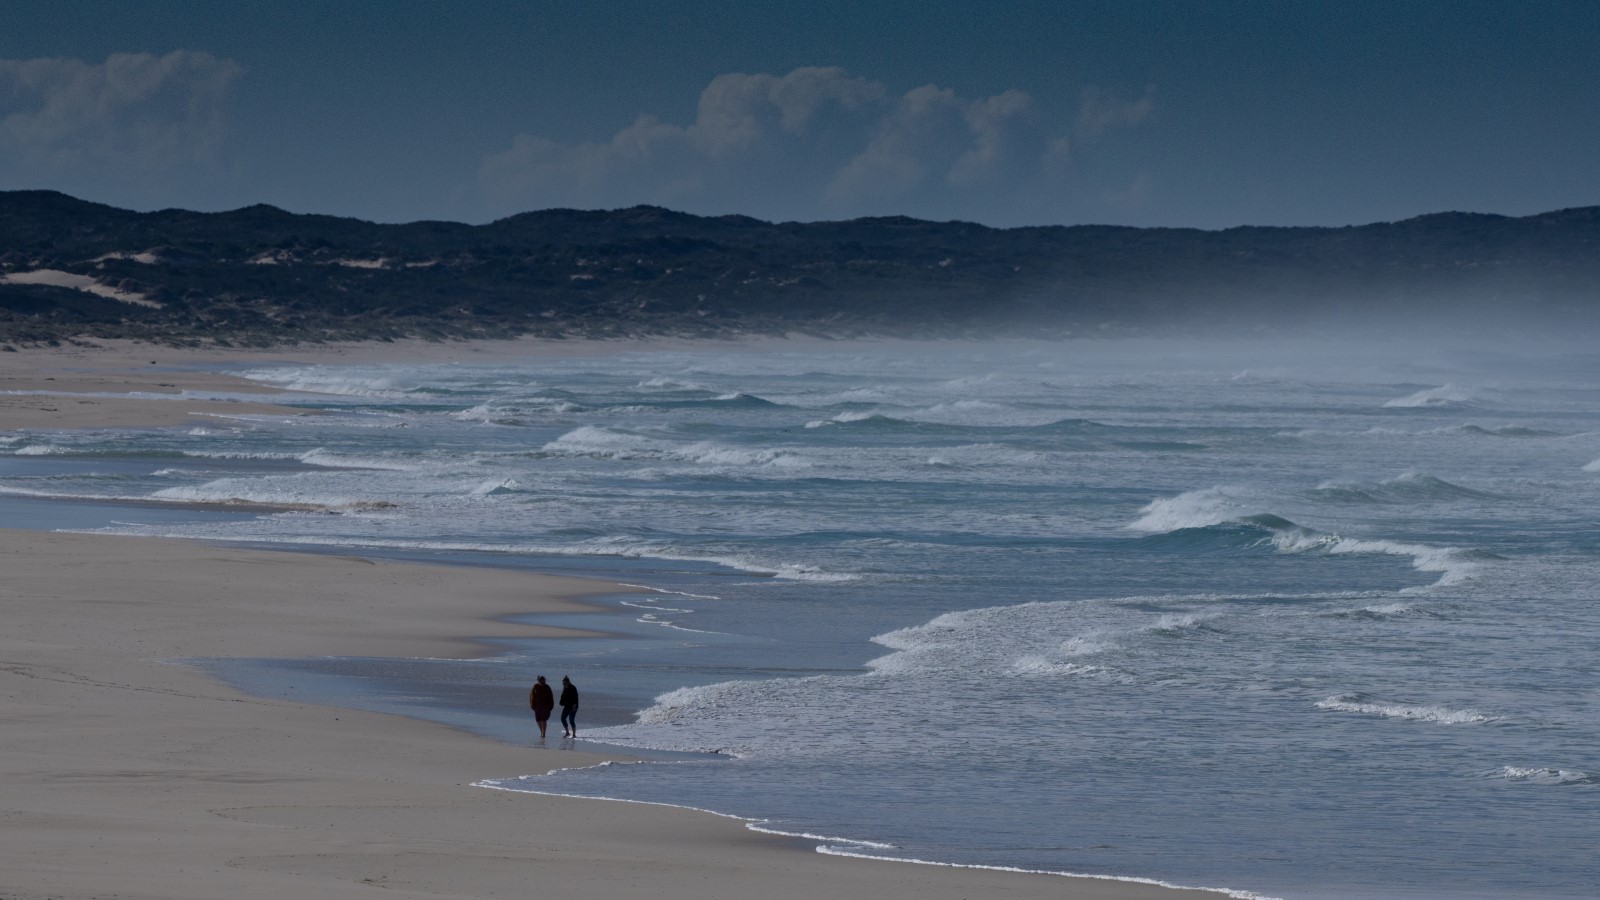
(86, 283)
(147, 257)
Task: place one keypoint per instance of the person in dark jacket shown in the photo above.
(542, 699)
(569, 708)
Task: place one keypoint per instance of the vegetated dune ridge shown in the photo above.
(261, 276)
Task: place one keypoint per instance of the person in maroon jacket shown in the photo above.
(542, 699)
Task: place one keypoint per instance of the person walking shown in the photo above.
(569, 708)
(542, 699)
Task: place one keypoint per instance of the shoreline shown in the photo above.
(185, 787)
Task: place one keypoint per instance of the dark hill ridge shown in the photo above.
(261, 275)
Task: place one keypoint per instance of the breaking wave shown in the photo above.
(1511, 431)
(1193, 509)
(335, 382)
(41, 450)
(1445, 396)
(1203, 517)
(246, 492)
(614, 443)
(1543, 775)
(496, 486)
(520, 412)
(1441, 715)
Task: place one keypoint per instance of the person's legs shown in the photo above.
(542, 724)
(569, 720)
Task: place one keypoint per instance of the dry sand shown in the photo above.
(128, 775)
(72, 387)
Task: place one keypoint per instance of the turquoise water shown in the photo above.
(1309, 620)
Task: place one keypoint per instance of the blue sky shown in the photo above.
(1137, 112)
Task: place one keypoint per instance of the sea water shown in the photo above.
(1310, 619)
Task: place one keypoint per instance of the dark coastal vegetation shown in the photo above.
(72, 270)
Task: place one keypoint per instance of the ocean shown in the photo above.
(1301, 619)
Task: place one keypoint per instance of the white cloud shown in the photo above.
(1136, 194)
(135, 113)
(922, 139)
(1003, 134)
(1100, 111)
(736, 110)
(815, 143)
(742, 120)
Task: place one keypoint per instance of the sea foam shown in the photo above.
(1219, 506)
(1193, 509)
(1545, 775)
(1441, 715)
(1446, 395)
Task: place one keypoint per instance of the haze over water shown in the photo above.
(1311, 619)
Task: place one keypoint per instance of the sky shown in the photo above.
(1184, 113)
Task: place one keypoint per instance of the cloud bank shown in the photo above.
(820, 143)
(134, 115)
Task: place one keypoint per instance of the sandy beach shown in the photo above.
(130, 775)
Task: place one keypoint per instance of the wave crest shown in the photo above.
(614, 443)
(1441, 715)
(1411, 487)
(1192, 509)
(1444, 396)
(1214, 514)
(1543, 775)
